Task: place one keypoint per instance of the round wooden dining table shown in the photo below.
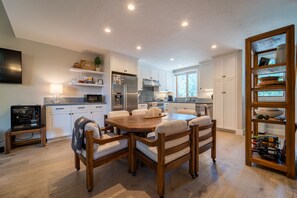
(139, 124)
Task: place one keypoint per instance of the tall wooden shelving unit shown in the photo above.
(256, 46)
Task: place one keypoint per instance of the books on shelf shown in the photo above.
(263, 61)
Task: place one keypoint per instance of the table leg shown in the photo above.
(7, 142)
(129, 152)
(43, 136)
(132, 155)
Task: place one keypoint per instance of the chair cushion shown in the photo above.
(204, 142)
(172, 127)
(139, 111)
(109, 148)
(152, 153)
(113, 114)
(201, 121)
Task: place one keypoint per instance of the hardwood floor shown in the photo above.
(32, 171)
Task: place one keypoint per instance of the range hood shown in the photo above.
(150, 83)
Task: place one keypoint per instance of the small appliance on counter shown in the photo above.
(93, 98)
(170, 96)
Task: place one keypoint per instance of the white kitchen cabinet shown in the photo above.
(58, 123)
(169, 81)
(143, 73)
(205, 76)
(97, 114)
(142, 106)
(162, 80)
(227, 93)
(224, 103)
(154, 74)
(225, 67)
(60, 118)
(123, 65)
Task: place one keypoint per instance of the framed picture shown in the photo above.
(100, 82)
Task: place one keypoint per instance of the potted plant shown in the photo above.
(98, 63)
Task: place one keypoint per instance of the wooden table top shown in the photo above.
(137, 123)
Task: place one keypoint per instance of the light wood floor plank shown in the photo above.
(31, 171)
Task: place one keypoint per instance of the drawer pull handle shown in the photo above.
(98, 106)
(59, 108)
(81, 107)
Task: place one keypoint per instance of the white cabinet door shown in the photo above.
(145, 72)
(162, 80)
(154, 74)
(229, 103)
(58, 121)
(169, 81)
(218, 68)
(117, 64)
(230, 66)
(218, 102)
(131, 66)
(78, 111)
(206, 77)
(97, 114)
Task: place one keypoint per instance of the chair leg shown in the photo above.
(197, 165)
(161, 181)
(89, 178)
(76, 161)
(192, 168)
(213, 154)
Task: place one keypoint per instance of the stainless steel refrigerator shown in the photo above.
(124, 92)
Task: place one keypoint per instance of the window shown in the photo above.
(186, 84)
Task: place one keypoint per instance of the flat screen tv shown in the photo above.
(10, 66)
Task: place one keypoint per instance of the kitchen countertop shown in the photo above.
(78, 103)
(199, 102)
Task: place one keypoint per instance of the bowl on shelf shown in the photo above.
(271, 112)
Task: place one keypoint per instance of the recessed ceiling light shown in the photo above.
(107, 30)
(138, 47)
(184, 24)
(172, 59)
(214, 46)
(180, 66)
(131, 7)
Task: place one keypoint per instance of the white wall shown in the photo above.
(42, 65)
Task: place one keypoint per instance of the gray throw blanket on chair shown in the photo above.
(78, 131)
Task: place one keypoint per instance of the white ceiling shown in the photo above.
(154, 24)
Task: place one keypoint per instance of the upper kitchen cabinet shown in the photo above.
(206, 76)
(165, 78)
(123, 64)
(225, 66)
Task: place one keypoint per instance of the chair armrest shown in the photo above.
(108, 140)
(146, 141)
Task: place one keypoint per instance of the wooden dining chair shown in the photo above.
(205, 138)
(172, 146)
(99, 151)
(113, 114)
(187, 111)
(139, 111)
